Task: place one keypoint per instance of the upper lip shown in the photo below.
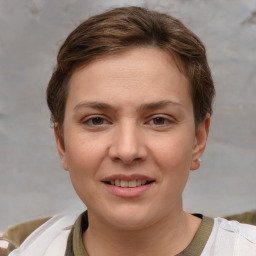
(127, 177)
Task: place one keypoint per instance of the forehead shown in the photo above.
(137, 72)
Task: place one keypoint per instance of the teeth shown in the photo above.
(132, 184)
(128, 184)
(124, 183)
(138, 182)
(117, 183)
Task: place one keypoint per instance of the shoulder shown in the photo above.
(50, 236)
(240, 229)
(248, 217)
(231, 238)
(18, 233)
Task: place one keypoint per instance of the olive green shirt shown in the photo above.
(75, 245)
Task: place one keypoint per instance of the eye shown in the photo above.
(95, 121)
(160, 121)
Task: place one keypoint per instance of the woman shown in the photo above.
(131, 102)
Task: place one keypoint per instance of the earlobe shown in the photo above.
(200, 142)
(60, 146)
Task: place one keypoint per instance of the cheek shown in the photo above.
(84, 156)
(173, 159)
(83, 162)
(174, 153)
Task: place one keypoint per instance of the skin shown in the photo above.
(132, 113)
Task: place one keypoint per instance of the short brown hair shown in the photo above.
(121, 29)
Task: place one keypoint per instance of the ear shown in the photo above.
(200, 142)
(60, 146)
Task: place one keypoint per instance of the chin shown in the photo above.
(128, 219)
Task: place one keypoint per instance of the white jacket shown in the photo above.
(231, 238)
(50, 239)
(228, 238)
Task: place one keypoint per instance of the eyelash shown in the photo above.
(89, 121)
(101, 121)
(167, 121)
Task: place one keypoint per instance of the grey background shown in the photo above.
(32, 182)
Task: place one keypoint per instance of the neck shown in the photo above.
(169, 236)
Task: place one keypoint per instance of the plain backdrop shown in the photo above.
(32, 182)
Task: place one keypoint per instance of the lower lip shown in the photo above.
(128, 192)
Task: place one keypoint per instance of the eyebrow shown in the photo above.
(143, 107)
(158, 104)
(93, 104)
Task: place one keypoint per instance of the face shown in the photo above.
(129, 137)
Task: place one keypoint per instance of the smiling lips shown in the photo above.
(128, 186)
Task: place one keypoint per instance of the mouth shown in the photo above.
(128, 184)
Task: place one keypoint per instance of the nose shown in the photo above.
(128, 145)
